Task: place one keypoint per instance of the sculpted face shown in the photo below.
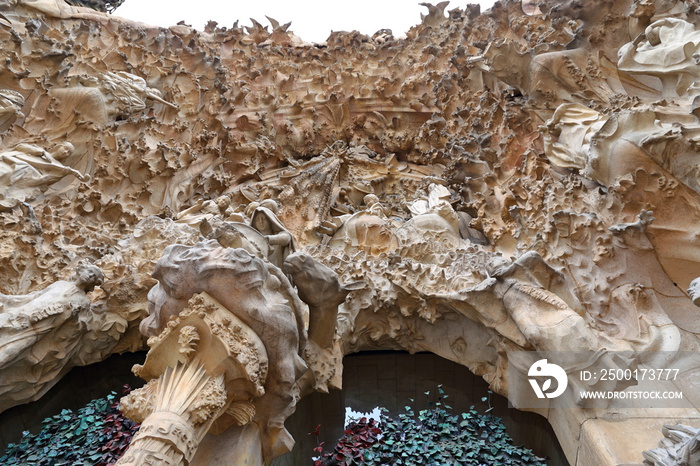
(694, 291)
(88, 277)
(261, 223)
(161, 306)
(222, 202)
(371, 199)
(497, 266)
(63, 151)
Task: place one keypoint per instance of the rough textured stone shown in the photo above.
(521, 179)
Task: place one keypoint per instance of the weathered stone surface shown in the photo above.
(521, 179)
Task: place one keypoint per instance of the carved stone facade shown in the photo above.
(520, 179)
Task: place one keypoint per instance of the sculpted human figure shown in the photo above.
(568, 134)
(550, 317)
(205, 211)
(101, 98)
(26, 171)
(61, 9)
(694, 291)
(369, 230)
(538, 299)
(605, 148)
(551, 76)
(131, 91)
(281, 242)
(41, 333)
(374, 206)
(433, 216)
(436, 196)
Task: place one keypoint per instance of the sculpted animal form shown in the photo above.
(318, 286)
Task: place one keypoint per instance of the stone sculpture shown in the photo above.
(681, 445)
(204, 211)
(206, 371)
(219, 284)
(318, 286)
(667, 49)
(529, 279)
(131, 91)
(99, 99)
(280, 241)
(27, 170)
(369, 230)
(694, 291)
(47, 332)
(606, 149)
(258, 294)
(107, 6)
(432, 216)
(530, 7)
(489, 179)
(11, 103)
(568, 135)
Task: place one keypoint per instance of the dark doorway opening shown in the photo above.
(390, 379)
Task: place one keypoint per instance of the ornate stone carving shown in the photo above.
(280, 241)
(667, 49)
(11, 103)
(205, 384)
(484, 184)
(680, 446)
(258, 294)
(318, 286)
(45, 333)
(26, 171)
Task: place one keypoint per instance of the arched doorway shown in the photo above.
(390, 379)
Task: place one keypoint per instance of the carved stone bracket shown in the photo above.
(204, 370)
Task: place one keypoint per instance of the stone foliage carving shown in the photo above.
(265, 346)
(681, 445)
(11, 104)
(205, 371)
(522, 178)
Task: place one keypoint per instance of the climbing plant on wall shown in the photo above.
(434, 436)
(96, 435)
